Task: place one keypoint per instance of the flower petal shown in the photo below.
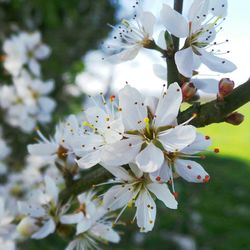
(118, 196)
(51, 188)
(168, 106)
(133, 108)
(72, 218)
(163, 174)
(198, 11)
(200, 143)
(90, 159)
(218, 7)
(178, 138)
(43, 149)
(145, 211)
(175, 23)
(83, 226)
(148, 22)
(215, 63)
(48, 228)
(160, 71)
(162, 192)
(184, 62)
(150, 159)
(120, 173)
(191, 171)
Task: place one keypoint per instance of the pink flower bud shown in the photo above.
(235, 118)
(188, 90)
(226, 86)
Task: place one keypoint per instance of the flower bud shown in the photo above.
(226, 86)
(188, 90)
(27, 227)
(235, 118)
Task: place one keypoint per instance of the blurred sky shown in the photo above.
(139, 72)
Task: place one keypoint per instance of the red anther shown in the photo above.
(198, 177)
(188, 90)
(217, 150)
(206, 179)
(176, 195)
(235, 118)
(158, 178)
(207, 137)
(112, 98)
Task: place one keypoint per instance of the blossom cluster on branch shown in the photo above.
(135, 138)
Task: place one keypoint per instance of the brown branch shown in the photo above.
(212, 112)
(217, 111)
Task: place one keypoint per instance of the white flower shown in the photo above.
(24, 49)
(43, 210)
(133, 36)
(134, 187)
(150, 129)
(60, 146)
(200, 31)
(102, 127)
(181, 163)
(92, 224)
(207, 89)
(4, 152)
(27, 103)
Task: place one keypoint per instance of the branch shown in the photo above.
(217, 111)
(212, 112)
(178, 6)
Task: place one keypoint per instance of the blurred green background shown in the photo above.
(210, 216)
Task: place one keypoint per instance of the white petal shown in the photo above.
(175, 23)
(215, 63)
(151, 102)
(218, 7)
(150, 159)
(71, 218)
(90, 159)
(118, 196)
(191, 171)
(162, 41)
(178, 138)
(72, 245)
(198, 11)
(51, 188)
(83, 226)
(34, 210)
(49, 148)
(145, 211)
(42, 51)
(160, 71)
(164, 173)
(168, 106)
(148, 22)
(207, 85)
(48, 228)
(133, 108)
(184, 62)
(136, 171)
(200, 143)
(105, 232)
(34, 66)
(162, 192)
(47, 104)
(121, 152)
(120, 173)
(125, 55)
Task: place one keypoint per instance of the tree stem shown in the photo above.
(178, 6)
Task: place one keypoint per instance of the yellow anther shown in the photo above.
(87, 124)
(130, 204)
(146, 120)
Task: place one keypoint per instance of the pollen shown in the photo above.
(207, 137)
(217, 150)
(158, 178)
(112, 98)
(206, 179)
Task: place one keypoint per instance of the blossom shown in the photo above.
(42, 211)
(92, 223)
(181, 163)
(26, 102)
(102, 126)
(199, 30)
(58, 147)
(24, 49)
(4, 152)
(150, 129)
(133, 36)
(136, 188)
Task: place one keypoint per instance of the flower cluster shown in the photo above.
(26, 101)
(135, 139)
(4, 153)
